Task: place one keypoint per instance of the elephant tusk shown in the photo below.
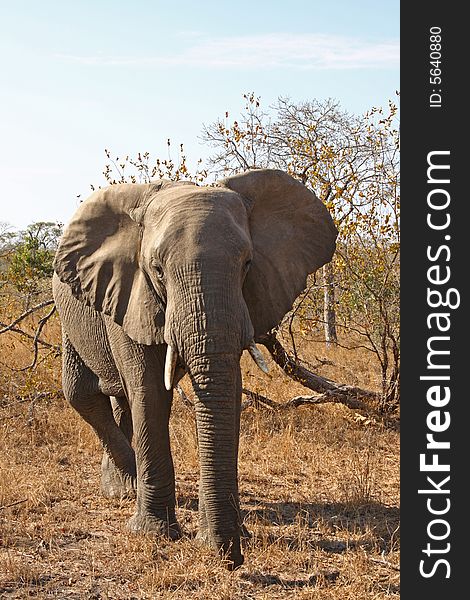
(170, 364)
(257, 357)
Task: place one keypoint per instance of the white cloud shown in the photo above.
(283, 50)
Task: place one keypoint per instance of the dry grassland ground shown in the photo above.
(319, 492)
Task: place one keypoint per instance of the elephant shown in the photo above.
(160, 279)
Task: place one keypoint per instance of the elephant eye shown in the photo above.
(158, 269)
(248, 264)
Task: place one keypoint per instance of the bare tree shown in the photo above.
(352, 164)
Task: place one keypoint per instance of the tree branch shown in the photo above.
(24, 315)
(41, 324)
(28, 336)
(256, 399)
(341, 393)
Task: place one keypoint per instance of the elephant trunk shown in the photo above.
(217, 385)
(208, 326)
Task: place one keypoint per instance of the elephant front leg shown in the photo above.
(112, 483)
(155, 505)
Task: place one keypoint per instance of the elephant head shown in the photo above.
(207, 271)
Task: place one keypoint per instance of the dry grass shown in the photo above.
(319, 491)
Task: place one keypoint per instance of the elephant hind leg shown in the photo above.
(81, 388)
(112, 484)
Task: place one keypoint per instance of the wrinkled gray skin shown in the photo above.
(205, 270)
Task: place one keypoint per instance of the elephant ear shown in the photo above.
(293, 235)
(98, 257)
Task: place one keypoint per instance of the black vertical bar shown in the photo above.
(434, 119)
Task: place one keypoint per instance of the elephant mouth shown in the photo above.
(175, 367)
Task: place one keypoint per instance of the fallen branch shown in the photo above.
(256, 399)
(292, 368)
(13, 504)
(332, 392)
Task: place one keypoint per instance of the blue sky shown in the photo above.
(79, 77)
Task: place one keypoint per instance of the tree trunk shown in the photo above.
(329, 305)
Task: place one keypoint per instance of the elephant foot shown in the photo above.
(114, 484)
(145, 523)
(230, 553)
